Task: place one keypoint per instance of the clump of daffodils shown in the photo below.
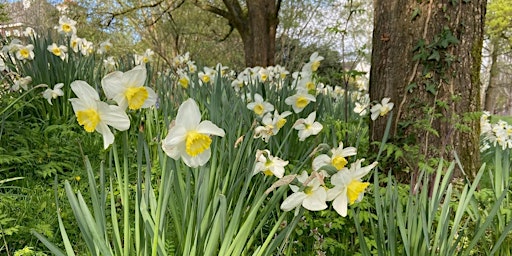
(127, 89)
(498, 134)
(331, 180)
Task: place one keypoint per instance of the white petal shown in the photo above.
(321, 161)
(188, 114)
(79, 104)
(151, 100)
(135, 77)
(333, 193)
(108, 136)
(112, 84)
(340, 204)
(207, 127)
(84, 91)
(316, 201)
(293, 201)
(114, 116)
(198, 160)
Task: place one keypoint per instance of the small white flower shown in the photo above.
(22, 82)
(348, 187)
(299, 100)
(269, 164)
(259, 106)
(59, 51)
(336, 159)
(66, 26)
(381, 109)
(25, 52)
(50, 94)
(312, 196)
(128, 90)
(308, 126)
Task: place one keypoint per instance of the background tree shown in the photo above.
(426, 58)
(498, 42)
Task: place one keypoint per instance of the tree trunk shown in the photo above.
(259, 34)
(426, 57)
(257, 26)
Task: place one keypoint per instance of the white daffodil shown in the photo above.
(59, 51)
(25, 52)
(183, 80)
(75, 43)
(147, 56)
(104, 47)
(361, 108)
(269, 164)
(29, 32)
(128, 90)
(279, 120)
(381, 109)
(312, 196)
(96, 115)
(299, 100)
(66, 26)
(86, 47)
(192, 68)
(206, 75)
(313, 64)
(109, 63)
(337, 158)
(189, 138)
(315, 59)
(50, 94)
(259, 106)
(307, 126)
(271, 125)
(348, 187)
(263, 74)
(22, 82)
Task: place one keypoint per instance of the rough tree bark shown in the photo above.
(257, 25)
(426, 57)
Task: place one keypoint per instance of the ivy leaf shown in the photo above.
(416, 13)
(411, 87)
(430, 88)
(435, 56)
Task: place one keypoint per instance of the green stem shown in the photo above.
(161, 193)
(126, 204)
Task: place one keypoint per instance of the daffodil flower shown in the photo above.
(128, 90)
(50, 94)
(381, 109)
(307, 126)
(259, 106)
(312, 197)
(348, 187)
(314, 62)
(299, 100)
(268, 164)
(66, 26)
(25, 52)
(337, 158)
(189, 137)
(96, 115)
(22, 82)
(59, 51)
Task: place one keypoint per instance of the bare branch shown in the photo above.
(113, 15)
